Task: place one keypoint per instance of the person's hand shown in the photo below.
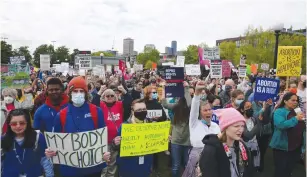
(106, 156)
(185, 84)
(199, 87)
(170, 138)
(269, 102)
(50, 153)
(117, 140)
(121, 88)
(300, 116)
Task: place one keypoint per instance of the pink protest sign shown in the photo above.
(226, 70)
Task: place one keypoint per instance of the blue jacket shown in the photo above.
(78, 119)
(44, 118)
(281, 124)
(31, 165)
(131, 167)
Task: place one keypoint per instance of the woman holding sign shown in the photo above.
(134, 166)
(23, 148)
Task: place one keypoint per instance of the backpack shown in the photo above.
(93, 111)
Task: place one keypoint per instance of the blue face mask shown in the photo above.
(238, 102)
(204, 122)
(154, 96)
(203, 98)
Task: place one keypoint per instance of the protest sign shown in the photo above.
(289, 61)
(192, 70)
(266, 88)
(174, 90)
(84, 61)
(138, 67)
(226, 70)
(80, 150)
(254, 68)
(168, 64)
(243, 60)
(265, 66)
(142, 139)
(174, 74)
(14, 76)
(211, 53)
(109, 68)
(17, 60)
(154, 113)
(160, 91)
(128, 65)
(65, 66)
(154, 66)
(242, 71)
(44, 62)
(180, 61)
(216, 69)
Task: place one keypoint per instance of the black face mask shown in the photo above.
(228, 88)
(192, 96)
(249, 112)
(140, 115)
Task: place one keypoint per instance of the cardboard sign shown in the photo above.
(216, 69)
(180, 61)
(192, 70)
(174, 90)
(212, 53)
(44, 62)
(266, 88)
(289, 61)
(79, 150)
(242, 71)
(14, 76)
(142, 139)
(154, 113)
(226, 70)
(17, 60)
(174, 74)
(265, 66)
(243, 60)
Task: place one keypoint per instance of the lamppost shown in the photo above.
(277, 29)
(101, 57)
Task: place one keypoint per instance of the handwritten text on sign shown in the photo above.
(80, 150)
(142, 139)
(266, 88)
(289, 61)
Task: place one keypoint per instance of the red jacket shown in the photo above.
(113, 118)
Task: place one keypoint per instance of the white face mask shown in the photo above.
(8, 100)
(78, 99)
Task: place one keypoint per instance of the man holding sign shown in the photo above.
(81, 147)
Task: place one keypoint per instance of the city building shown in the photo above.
(168, 51)
(149, 46)
(128, 47)
(174, 47)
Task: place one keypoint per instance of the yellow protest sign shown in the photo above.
(289, 61)
(144, 138)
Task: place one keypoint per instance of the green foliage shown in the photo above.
(148, 64)
(106, 54)
(6, 52)
(23, 51)
(152, 55)
(228, 50)
(43, 49)
(73, 54)
(62, 54)
(191, 55)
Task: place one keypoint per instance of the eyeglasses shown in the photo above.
(14, 124)
(108, 96)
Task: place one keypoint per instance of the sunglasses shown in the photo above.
(108, 96)
(14, 124)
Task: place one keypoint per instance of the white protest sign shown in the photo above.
(168, 64)
(65, 66)
(180, 61)
(109, 68)
(84, 62)
(212, 53)
(17, 59)
(128, 65)
(192, 70)
(265, 66)
(242, 71)
(243, 60)
(79, 150)
(138, 67)
(216, 70)
(82, 72)
(58, 69)
(154, 113)
(44, 62)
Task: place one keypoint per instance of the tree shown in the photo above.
(152, 55)
(191, 55)
(23, 51)
(6, 52)
(106, 54)
(228, 50)
(62, 54)
(43, 49)
(72, 56)
(203, 45)
(148, 64)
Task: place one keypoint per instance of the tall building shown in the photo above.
(149, 46)
(174, 48)
(168, 51)
(128, 46)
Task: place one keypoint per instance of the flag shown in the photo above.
(122, 67)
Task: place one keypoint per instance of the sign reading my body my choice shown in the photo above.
(79, 150)
(266, 88)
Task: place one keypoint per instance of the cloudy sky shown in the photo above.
(94, 24)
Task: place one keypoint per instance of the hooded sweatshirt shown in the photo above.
(45, 115)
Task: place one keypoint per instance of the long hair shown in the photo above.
(30, 134)
(147, 91)
(181, 111)
(287, 96)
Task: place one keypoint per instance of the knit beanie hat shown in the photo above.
(228, 116)
(77, 82)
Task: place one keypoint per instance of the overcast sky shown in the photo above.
(94, 24)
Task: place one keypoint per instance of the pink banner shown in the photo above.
(201, 55)
(226, 70)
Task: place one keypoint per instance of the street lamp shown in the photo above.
(101, 57)
(277, 29)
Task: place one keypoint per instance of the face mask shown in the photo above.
(203, 98)
(78, 99)
(228, 88)
(238, 102)
(192, 95)
(8, 100)
(249, 112)
(205, 122)
(140, 115)
(154, 96)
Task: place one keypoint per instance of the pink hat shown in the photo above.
(228, 116)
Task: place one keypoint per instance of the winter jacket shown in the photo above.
(214, 162)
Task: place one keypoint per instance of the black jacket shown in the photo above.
(214, 162)
(135, 94)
